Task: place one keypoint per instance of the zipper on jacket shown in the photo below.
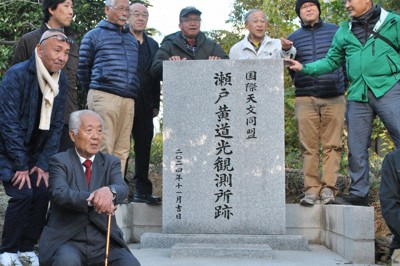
(373, 48)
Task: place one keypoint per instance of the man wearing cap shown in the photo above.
(187, 44)
(57, 14)
(319, 105)
(32, 103)
(257, 44)
(369, 45)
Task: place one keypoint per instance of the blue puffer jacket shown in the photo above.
(20, 148)
(312, 43)
(108, 60)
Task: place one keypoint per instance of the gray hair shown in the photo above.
(109, 2)
(75, 119)
(251, 11)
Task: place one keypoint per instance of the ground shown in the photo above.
(294, 186)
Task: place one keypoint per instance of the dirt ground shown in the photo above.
(294, 185)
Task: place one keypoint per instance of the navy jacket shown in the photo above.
(20, 95)
(108, 60)
(312, 43)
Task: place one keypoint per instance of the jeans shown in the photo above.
(359, 118)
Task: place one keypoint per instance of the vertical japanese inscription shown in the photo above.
(178, 183)
(251, 104)
(223, 164)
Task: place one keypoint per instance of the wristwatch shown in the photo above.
(113, 191)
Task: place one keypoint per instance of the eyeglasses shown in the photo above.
(60, 38)
(190, 20)
(122, 9)
(137, 15)
(258, 20)
(305, 7)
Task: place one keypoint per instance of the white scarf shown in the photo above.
(49, 87)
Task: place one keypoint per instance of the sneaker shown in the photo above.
(10, 259)
(327, 196)
(309, 199)
(29, 257)
(356, 200)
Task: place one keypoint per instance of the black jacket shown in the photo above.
(312, 43)
(173, 44)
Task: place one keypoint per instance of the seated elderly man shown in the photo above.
(85, 185)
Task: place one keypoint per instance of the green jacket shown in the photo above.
(375, 65)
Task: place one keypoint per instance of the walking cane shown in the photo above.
(108, 239)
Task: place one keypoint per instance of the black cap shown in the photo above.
(299, 3)
(188, 10)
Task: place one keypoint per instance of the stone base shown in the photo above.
(249, 251)
(276, 242)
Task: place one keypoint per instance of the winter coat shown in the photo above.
(173, 44)
(108, 60)
(374, 66)
(25, 48)
(269, 48)
(312, 44)
(20, 96)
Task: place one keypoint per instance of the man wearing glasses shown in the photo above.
(32, 103)
(57, 14)
(187, 44)
(108, 60)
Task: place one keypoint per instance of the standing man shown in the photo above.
(257, 44)
(187, 44)
(108, 60)
(319, 105)
(147, 105)
(57, 14)
(32, 103)
(369, 45)
(389, 195)
(85, 185)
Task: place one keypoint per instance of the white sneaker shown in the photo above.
(30, 257)
(10, 259)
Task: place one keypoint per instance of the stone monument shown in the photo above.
(223, 153)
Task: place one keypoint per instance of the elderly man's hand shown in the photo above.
(286, 44)
(177, 58)
(293, 64)
(102, 200)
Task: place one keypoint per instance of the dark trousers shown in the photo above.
(25, 216)
(142, 131)
(70, 254)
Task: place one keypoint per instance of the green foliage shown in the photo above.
(156, 150)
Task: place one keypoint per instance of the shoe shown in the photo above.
(10, 259)
(356, 200)
(327, 196)
(30, 257)
(309, 199)
(146, 198)
(395, 257)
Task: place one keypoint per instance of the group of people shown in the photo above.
(50, 151)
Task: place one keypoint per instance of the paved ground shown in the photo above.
(318, 256)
